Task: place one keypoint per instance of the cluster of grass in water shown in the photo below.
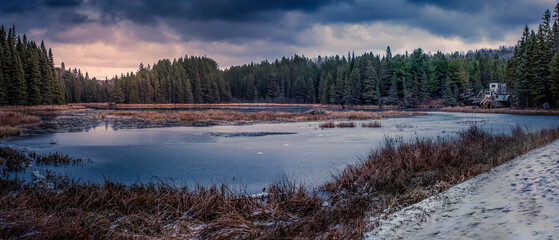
(14, 160)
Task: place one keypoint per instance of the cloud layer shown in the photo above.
(107, 37)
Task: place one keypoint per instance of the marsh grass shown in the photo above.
(401, 173)
(502, 110)
(56, 159)
(345, 125)
(395, 175)
(41, 108)
(9, 131)
(327, 125)
(14, 119)
(374, 124)
(337, 125)
(260, 116)
(224, 106)
(14, 160)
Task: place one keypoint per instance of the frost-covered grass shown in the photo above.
(395, 175)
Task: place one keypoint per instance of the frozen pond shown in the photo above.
(251, 155)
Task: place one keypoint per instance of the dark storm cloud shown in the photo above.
(457, 5)
(145, 11)
(273, 20)
(63, 3)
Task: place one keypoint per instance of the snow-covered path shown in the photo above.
(517, 200)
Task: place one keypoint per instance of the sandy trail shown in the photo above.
(517, 200)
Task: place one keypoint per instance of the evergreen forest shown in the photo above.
(412, 79)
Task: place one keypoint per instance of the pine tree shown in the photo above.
(34, 78)
(522, 85)
(197, 89)
(448, 95)
(117, 95)
(539, 88)
(274, 89)
(386, 70)
(340, 86)
(2, 60)
(15, 82)
(370, 86)
(553, 79)
(354, 87)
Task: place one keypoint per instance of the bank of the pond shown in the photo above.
(522, 111)
(516, 200)
(395, 175)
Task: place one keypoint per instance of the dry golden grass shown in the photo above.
(395, 175)
(122, 106)
(403, 173)
(16, 118)
(41, 108)
(262, 116)
(9, 131)
(502, 110)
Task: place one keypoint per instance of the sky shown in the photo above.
(109, 37)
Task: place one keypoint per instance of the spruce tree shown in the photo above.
(2, 60)
(370, 84)
(553, 80)
(386, 77)
(539, 88)
(34, 78)
(274, 88)
(522, 85)
(15, 82)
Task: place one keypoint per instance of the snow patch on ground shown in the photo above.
(517, 200)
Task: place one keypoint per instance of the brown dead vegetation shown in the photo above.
(16, 118)
(41, 108)
(9, 131)
(374, 124)
(261, 116)
(501, 110)
(337, 125)
(10, 122)
(395, 175)
(121, 106)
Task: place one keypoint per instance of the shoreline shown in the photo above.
(502, 111)
(469, 203)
